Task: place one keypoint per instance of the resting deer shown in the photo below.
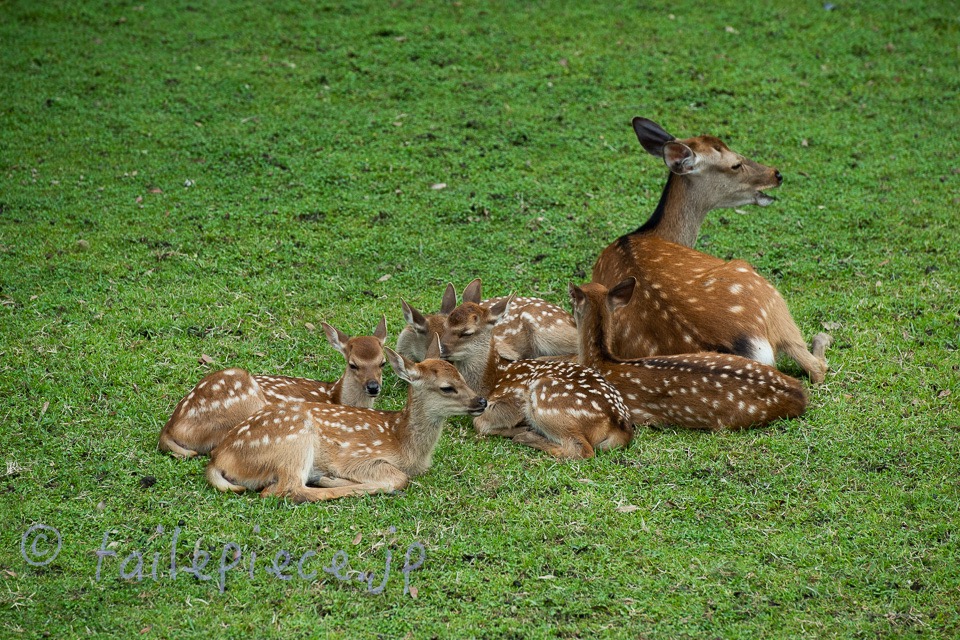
(698, 391)
(344, 450)
(224, 398)
(688, 301)
(531, 328)
(562, 408)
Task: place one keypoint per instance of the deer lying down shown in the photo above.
(699, 391)
(688, 301)
(531, 328)
(562, 408)
(224, 398)
(345, 450)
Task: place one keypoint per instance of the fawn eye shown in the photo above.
(467, 334)
(383, 364)
(737, 166)
(354, 367)
(448, 389)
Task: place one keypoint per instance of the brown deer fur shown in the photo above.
(531, 328)
(699, 391)
(344, 450)
(224, 398)
(562, 408)
(688, 301)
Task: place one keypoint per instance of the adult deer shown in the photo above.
(688, 301)
(699, 391)
(344, 450)
(224, 398)
(531, 328)
(561, 408)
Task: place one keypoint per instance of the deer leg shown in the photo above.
(575, 447)
(167, 443)
(502, 418)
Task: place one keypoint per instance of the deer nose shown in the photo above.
(373, 388)
(778, 176)
(482, 403)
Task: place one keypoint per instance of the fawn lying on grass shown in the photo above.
(345, 450)
(688, 301)
(559, 407)
(224, 398)
(531, 328)
(699, 390)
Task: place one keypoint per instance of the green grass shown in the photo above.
(180, 179)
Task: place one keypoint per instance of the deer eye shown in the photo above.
(467, 333)
(354, 367)
(448, 390)
(737, 166)
(383, 364)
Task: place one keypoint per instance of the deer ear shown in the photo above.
(576, 295)
(651, 136)
(449, 301)
(621, 294)
(337, 339)
(413, 317)
(380, 333)
(433, 348)
(499, 309)
(679, 157)
(404, 369)
(472, 292)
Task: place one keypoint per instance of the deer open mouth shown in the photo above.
(763, 199)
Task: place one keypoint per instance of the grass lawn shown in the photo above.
(188, 179)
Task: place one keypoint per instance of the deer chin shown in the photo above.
(762, 199)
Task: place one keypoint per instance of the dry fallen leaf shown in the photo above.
(627, 508)
(205, 359)
(439, 185)
(413, 592)
(384, 277)
(356, 540)
(944, 393)
(310, 326)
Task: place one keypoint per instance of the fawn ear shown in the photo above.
(499, 309)
(405, 369)
(449, 300)
(679, 157)
(433, 348)
(380, 333)
(651, 135)
(577, 296)
(413, 317)
(621, 294)
(337, 339)
(472, 292)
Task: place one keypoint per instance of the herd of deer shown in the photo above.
(663, 334)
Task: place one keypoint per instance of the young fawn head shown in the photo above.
(698, 391)
(559, 407)
(363, 376)
(224, 398)
(416, 335)
(532, 327)
(344, 450)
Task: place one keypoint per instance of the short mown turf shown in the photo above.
(188, 179)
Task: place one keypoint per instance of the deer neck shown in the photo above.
(349, 392)
(680, 212)
(480, 368)
(592, 348)
(419, 429)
